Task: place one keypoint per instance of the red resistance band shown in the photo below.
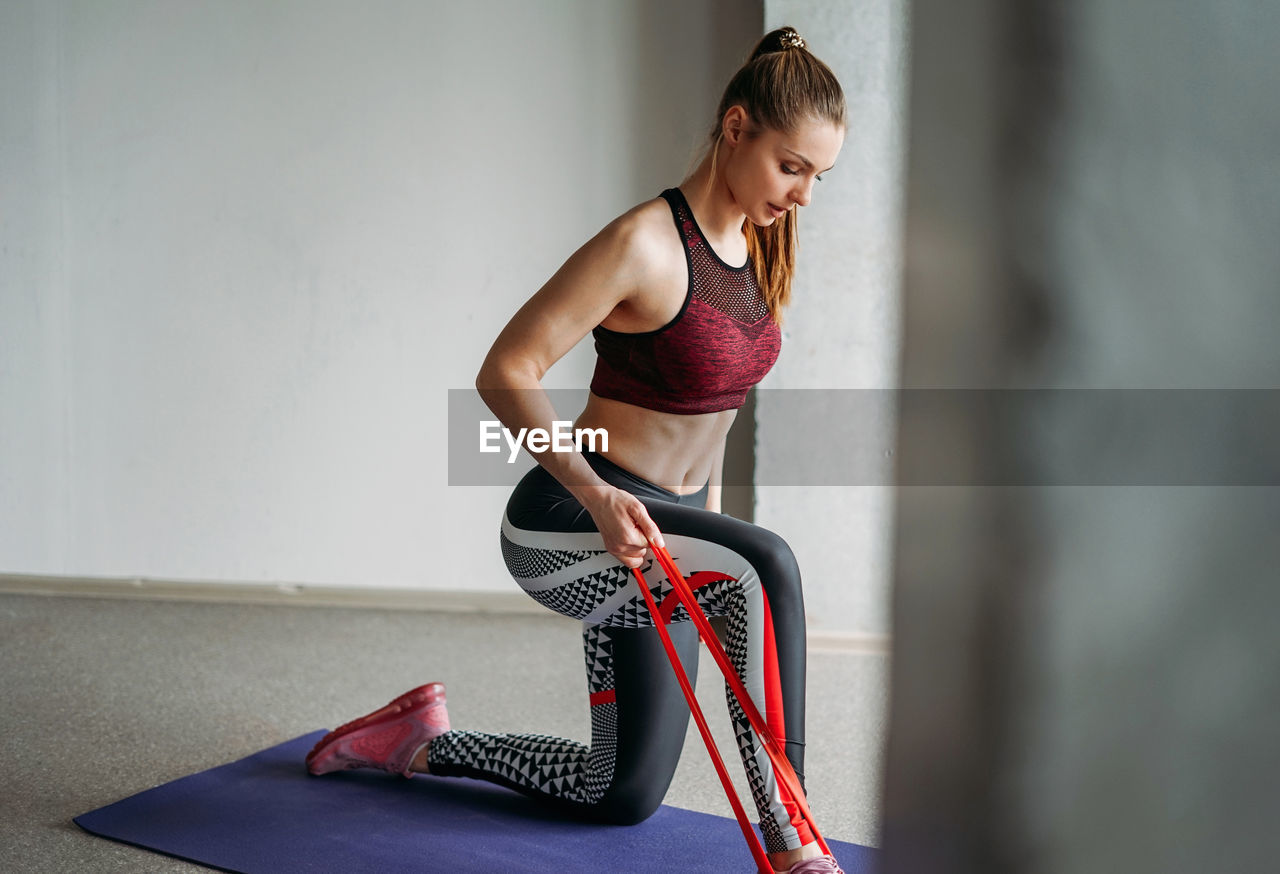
(782, 769)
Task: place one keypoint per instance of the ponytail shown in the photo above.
(780, 86)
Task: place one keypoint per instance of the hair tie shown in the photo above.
(789, 39)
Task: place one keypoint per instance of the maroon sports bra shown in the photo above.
(720, 344)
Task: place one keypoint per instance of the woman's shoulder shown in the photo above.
(646, 233)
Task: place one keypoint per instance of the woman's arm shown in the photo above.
(716, 481)
(613, 270)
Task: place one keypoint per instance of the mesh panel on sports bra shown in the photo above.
(733, 291)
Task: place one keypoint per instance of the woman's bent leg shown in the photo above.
(740, 571)
(638, 723)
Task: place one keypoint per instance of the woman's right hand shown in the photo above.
(623, 522)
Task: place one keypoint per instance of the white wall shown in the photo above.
(842, 332)
(247, 248)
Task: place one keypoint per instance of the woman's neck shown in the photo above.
(718, 213)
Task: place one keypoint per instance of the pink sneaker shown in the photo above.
(387, 738)
(820, 865)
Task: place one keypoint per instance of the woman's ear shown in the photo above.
(734, 124)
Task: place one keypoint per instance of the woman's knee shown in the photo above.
(774, 561)
(628, 805)
(775, 550)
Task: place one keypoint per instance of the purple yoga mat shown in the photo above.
(264, 814)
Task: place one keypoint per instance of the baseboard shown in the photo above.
(436, 600)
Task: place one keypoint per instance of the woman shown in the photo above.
(684, 295)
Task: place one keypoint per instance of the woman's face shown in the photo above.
(769, 172)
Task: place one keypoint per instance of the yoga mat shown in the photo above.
(265, 814)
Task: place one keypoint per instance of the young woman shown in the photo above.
(684, 295)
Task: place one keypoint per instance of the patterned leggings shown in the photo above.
(638, 715)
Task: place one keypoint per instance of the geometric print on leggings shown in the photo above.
(634, 613)
(749, 749)
(527, 563)
(597, 647)
(549, 765)
(581, 596)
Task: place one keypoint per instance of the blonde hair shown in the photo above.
(780, 86)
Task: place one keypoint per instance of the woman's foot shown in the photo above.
(388, 738)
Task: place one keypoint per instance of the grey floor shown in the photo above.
(103, 698)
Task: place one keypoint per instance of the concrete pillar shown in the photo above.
(840, 338)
